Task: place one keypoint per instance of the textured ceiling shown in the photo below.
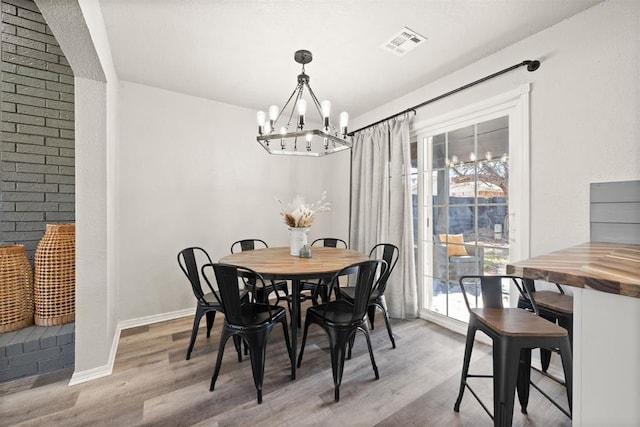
(241, 52)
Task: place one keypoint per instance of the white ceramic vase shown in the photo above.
(298, 239)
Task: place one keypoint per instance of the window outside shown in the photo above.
(465, 214)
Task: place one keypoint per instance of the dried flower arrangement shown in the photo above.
(299, 214)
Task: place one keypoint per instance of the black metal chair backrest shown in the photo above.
(491, 290)
(390, 254)
(248, 245)
(187, 259)
(366, 279)
(533, 287)
(330, 242)
(229, 289)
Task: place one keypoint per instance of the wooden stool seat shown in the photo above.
(516, 322)
(554, 301)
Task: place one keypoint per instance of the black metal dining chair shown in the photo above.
(252, 321)
(319, 287)
(390, 253)
(206, 302)
(341, 319)
(280, 288)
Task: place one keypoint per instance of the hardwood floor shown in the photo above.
(153, 384)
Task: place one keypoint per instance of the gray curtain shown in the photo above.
(381, 206)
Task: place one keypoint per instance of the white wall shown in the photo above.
(585, 127)
(190, 172)
(584, 112)
(79, 28)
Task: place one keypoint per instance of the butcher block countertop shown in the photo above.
(606, 267)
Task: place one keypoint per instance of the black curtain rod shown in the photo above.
(531, 66)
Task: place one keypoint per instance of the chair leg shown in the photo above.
(307, 322)
(373, 361)
(371, 313)
(223, 340)
(237, 343)
(285, 330)
(288, 298)
(338, 341)
(545, 353)
(320, 291)
(211, 315)
(315, 294)
(567, 323)
(471, 333)
(506, 360)
(386, 322)
(524, 378)
(545, 358)
(194, 330)
(262, 296)
(323, 288)
(258, 345)
(567, 366)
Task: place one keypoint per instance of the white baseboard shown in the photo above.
(452, 324)
(148, 320)
(80, 377)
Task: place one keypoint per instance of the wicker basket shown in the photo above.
(55, 276)
(16, 289)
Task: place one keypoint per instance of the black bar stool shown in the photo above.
(556, 307)
(514, 333)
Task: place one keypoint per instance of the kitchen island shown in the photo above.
(604, 279)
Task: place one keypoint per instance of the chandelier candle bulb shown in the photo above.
(326, 112)
(344, 122)
(309, 137)
(273, 116)
(260, 117)
(283, 131)
(273, 113)
(302, 109)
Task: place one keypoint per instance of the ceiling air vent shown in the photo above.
(403, 41)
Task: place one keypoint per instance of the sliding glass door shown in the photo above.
(465, 205)
(468, 177)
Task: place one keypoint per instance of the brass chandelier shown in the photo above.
(290, 139)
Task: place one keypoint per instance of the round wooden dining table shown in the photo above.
(279, 264)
